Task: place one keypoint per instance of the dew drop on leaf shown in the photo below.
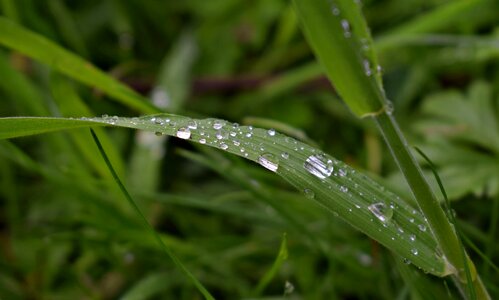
(422, 227)
(269, 161)
(381, 211)
(192, 124)
(412, 237)
(414, 251)
(309, 193)
(224, 146)
(285, 155)
(202, 141)
(271, 132)
(319, 166)
(218, 124)
(183, 133)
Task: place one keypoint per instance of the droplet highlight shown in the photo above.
(319, 165)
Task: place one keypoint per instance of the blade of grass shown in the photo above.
(339, 36)
(346, 193)
(146, 224)
(40, 48)
(271, 273)
(323, 22)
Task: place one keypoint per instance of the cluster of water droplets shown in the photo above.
(334, 175)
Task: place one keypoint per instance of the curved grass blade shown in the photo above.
(338, 188)
(40, 48)
(340, 38)
(146, 224)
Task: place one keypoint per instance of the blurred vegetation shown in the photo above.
(66, 232)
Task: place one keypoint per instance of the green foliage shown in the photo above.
(67, 233)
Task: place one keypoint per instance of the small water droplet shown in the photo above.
(269, 161)
(309, 193)
(271, 132)
(346, 28)
(342, 172)
(381, 211)
(236, 143)
(249, 134)
(367, 67)
(414, 251)
(202, 141)
(224, 146)
(285, 155)
(183, 133)
(218, 124)
(407, 261)
(319, 165)
(221, 134)
(412, 237)
(343, 189)
(288, 288)
(192, 125)
(389, 107)
(335, 10)
(422, 227)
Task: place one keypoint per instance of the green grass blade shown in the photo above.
(148, 226)
(343, 192)
(337, 32)
(40, 48)
(281, 257)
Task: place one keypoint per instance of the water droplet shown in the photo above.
(367, 67)
(183, 133)
(218, 124)
(249, 134)
(268, 161)
(202, 141)
(389, 107)
(346, 28)
(271, 132)
(342, 172)
(192, 125)
(288, 288)
(407, 261)
(224, 146)
(381, 211)
(414, 251)
(335, 10)
(285, 155)
(236, 143)
(422, 227)
(343, 189)
(319, 166)
(412, 237)
(221, 134)
(309, 193)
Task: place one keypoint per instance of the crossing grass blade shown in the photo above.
(337, 32)
(347, 193)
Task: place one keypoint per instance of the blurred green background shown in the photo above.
(67, 233)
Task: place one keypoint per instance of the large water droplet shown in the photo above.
(269, 161)
(319, 165)
(183, 133)
(381, 211)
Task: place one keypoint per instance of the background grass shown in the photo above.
(66, 233)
